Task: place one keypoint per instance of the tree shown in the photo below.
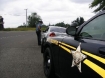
(22, 26)
(78, 22)
(100, 5)
(62, 24)
(33, 19)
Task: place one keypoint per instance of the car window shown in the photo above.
(94, 29)
(57, 29)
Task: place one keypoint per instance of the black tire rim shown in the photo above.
(47, 63)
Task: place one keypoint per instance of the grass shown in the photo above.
(21, 29)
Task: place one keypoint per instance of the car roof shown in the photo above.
(56, 27)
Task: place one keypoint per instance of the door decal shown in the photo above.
(78, 57)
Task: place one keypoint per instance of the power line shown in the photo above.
(14, 14)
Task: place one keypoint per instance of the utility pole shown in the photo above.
(26, 18)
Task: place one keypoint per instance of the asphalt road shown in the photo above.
(20, 56)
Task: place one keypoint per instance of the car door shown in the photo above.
(92, 39)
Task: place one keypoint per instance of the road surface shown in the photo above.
(20, 56)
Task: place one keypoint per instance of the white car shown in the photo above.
(52, 31)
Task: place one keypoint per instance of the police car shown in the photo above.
(80, 55)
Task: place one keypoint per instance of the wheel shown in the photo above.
(48, 64)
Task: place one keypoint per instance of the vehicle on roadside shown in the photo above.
(52, 31)
(80, 55)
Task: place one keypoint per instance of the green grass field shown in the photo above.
(21, 29)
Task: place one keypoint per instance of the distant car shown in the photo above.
(80, 55)
(52, 31)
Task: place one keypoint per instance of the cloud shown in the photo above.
(51, 11)
(82, 1)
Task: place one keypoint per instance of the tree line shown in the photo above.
(34, 18)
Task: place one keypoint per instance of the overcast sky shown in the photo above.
(51, 11)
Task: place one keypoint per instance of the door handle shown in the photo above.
(102, 51)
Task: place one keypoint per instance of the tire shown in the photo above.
(48, 64)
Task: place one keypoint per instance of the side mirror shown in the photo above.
(71, 30)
